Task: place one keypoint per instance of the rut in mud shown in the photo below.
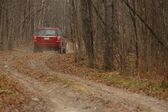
(73, 94)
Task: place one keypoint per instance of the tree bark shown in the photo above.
(87, 34)
(110, 34)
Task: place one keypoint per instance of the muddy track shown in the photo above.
(95, 98)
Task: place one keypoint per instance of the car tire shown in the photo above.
(36, 49)
(61, 50)
(64, 50)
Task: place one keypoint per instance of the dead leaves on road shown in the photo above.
(12, 95)
(66, 64)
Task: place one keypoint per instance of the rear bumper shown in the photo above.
(48, 44)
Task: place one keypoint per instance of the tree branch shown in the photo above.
(146, 25)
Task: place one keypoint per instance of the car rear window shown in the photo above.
(47, 32)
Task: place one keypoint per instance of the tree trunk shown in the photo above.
(110, 34)
(87, 34)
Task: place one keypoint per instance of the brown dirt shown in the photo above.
(14, 97)
(148, 86)
(66, 93)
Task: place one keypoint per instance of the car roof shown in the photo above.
(48, 28)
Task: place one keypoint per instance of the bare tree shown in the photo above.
(86, 14)
(110, 34)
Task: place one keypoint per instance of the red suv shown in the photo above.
(49, 38)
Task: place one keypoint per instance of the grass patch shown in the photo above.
(82, 89)
(149, 87)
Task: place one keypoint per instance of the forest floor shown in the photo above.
(50, 82)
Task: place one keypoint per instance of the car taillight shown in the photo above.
(34, 37)
(58, 38)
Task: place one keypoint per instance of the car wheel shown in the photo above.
(36, 49)
(61, 50)
(64, 50)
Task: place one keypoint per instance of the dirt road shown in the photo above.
(73, 94)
